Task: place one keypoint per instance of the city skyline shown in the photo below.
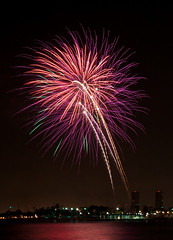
(57, 213)
(134, 205)
(29, 179)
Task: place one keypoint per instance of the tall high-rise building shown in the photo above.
(158, 199)
(135, 205)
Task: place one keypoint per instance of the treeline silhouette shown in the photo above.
(58, 212)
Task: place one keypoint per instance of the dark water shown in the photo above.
(86, 231)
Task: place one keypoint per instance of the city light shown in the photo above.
(119, 213)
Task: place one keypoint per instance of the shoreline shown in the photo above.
(88, 220)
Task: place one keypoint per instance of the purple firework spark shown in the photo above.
(83, 97)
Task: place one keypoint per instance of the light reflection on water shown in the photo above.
(84, 231)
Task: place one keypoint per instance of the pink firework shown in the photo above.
(83, 97)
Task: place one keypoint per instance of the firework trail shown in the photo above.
(83, 97)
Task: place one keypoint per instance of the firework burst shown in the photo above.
(82, 97)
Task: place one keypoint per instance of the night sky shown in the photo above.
(29, 180)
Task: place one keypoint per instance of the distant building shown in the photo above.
(158, 199)
(135, 205)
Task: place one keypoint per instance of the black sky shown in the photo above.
(26, 178)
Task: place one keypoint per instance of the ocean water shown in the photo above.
(86, 231)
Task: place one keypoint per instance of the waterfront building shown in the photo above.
(159, 200)
(135, 204)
